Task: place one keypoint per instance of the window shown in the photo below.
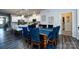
(43, 18)
(51, 20)
(1, 21)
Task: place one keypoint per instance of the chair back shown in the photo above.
(25, 32)
(57, 31)
(44, 26)
(29, 27)
(50, 26)
(35, 35)
(54, 34)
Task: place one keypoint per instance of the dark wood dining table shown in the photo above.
(45, 33)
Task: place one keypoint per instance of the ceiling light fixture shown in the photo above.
(22, 16)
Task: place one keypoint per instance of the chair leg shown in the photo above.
(31, 44)
(39, 46)
(55, 42)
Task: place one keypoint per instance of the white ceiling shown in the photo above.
(26, 12)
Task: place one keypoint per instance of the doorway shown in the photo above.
(1, 22)
(67, 24)
(4, 22)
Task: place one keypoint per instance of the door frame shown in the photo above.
(62, 22)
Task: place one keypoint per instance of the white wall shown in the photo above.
(56, 13)
(77, 24)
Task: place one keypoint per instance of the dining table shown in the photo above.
(42, 31)
(45, 34)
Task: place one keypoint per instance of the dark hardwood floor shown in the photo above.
(9, 41)
(67, 42)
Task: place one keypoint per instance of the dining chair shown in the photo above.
(48, 46)
(44, 26)
(29, 27)
(57, 31)
(35, 38)
(25, 32)
(26, 35)
(50, 26)
(52, 37)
